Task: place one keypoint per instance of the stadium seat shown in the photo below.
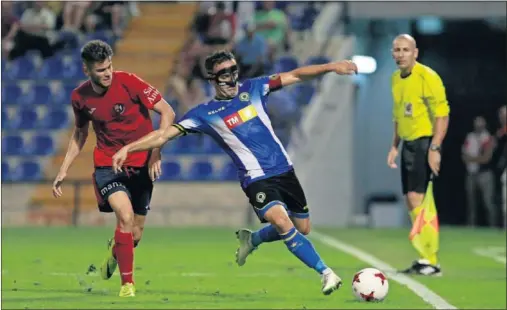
(28, 171)
(170, 171)
(304, 93)
(229, 172)
(28, 118)
(56, 118)
(11, 94)
(21, 68)
(42, 94)
(285, 63)
(40, 145)
(317, 60)
(201, 170)
(209, 146)
(12, 145)
(6, 172)
(51, 69)
(190, 144)
(6, 122)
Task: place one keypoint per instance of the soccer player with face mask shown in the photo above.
(237, 120)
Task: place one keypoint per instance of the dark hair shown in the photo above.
(96, 51)
(217, 58)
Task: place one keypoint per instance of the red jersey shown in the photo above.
(119, 116)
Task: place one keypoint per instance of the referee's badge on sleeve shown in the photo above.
(408, 109)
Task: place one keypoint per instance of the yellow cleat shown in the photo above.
(109, 265)
(128, 290)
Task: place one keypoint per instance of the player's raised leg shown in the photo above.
(275, 213)
(124, 240)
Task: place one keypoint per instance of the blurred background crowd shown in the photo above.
(166, 43)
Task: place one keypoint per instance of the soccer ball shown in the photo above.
(370, 284)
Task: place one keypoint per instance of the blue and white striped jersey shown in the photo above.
(242, 128)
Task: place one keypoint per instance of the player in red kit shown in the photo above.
(118, 105)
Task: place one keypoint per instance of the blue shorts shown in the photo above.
(135, 181)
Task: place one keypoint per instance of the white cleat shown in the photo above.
(330, 281)
(245, 245)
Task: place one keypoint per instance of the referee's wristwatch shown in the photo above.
(435, 148)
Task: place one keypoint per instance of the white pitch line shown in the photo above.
(418, 288)
(493, 253)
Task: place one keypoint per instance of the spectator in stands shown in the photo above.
(476, 153)
(251, 53)
(37, 32)
(221, 26)
(271, 23)
(107, 15)
(10, 27)
(500, 159)
(74, 13)
(185, 88)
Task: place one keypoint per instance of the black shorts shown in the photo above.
(415, 170)
(134, 181)
(283, 189)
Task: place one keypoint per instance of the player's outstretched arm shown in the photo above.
(344, 67)
(154, 139)
(77, 141)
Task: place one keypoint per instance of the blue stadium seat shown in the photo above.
(28, 118)
(170, 171)
(317, 60)
(21, 68)
(40, 145)
(28, 171)
(52, 68)
(201, 170)
(73, 68)
(56, 118)
(12, 145)
(42, 94)
(6, 122)
(11, 94)
(209, 146)
(304, 93)
(286, 63)
(229, 172)
(6, 172)
(190, 144)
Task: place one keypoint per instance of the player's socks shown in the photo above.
(124, 251)
(303, 249)
(267, 233)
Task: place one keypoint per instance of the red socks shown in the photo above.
(124, 252)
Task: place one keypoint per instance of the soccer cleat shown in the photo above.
(423, 267)
(127, 290)
(245, 245)
(109, 265)
(330, 282)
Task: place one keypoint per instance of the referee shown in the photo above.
(421, 118)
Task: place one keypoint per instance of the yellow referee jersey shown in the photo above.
(418, 99)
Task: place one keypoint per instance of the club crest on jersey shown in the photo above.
(408, 109)
(240, 117)
(118, 109)
(244, 96)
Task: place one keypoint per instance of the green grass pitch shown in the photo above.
(194, 268)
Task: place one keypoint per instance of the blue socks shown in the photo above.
(296, 242)
(267, 233)
(303, 249)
